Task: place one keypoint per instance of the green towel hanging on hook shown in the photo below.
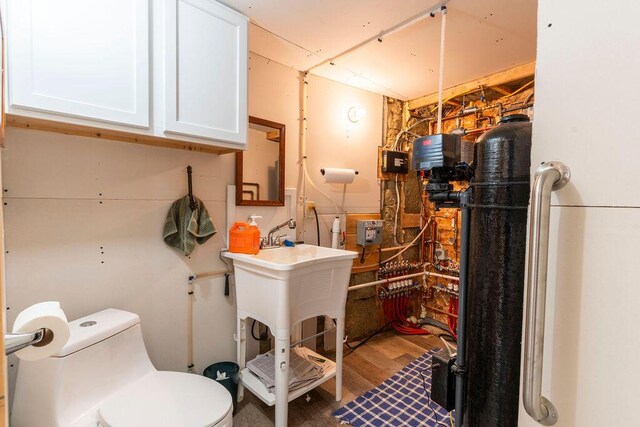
(184, 227)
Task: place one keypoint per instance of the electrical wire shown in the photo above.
(526, 85)
(261, 337)
(396, 145)
(315, 213)
(366, 339)
(408, 245)
(450, 349)
(397, 214)
(428, 395)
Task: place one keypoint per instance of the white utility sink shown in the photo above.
(290, 258)
(280, 288)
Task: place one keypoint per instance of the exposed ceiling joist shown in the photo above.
(502, 90)
(491, 80)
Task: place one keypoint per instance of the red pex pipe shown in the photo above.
(394, 310)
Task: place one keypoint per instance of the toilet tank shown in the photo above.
(104, 353)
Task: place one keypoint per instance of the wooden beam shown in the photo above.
(502, 90)
(16, 121)
(490, 80)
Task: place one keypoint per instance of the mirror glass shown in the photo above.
(260, 169)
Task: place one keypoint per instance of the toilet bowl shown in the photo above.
(103, 377)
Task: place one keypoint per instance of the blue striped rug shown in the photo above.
(399, 401)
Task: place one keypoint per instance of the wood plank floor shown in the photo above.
(364, 369)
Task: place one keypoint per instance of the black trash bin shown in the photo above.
(231, 380)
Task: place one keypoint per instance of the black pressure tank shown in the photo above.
(496, 273)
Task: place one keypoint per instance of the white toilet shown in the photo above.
(103, 377)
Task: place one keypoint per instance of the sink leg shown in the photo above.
(282, 381)
(241, 353)
(339, 351)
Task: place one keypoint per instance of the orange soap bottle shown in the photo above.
(245, 238)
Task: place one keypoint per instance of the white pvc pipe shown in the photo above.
(407, 276)
(378, 37)
(190, 328)
(441, 72)
(190, 296)
(335, 233)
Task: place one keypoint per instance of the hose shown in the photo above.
(315, 213)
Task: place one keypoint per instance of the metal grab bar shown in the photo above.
(548, 177)
(15, 342)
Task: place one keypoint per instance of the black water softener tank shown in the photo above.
(496, 273)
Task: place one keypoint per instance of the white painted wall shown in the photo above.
(83, 217)
(342, 144)
(83, 221)
(587, 54)
(332, 140)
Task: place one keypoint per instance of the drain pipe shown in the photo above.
(335, 233)
(190, 298)
(459, 368)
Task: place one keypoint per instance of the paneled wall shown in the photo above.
(84, 217)
(83, 221)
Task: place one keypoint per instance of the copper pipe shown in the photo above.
(437, 310)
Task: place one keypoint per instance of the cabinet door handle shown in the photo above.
(548, 177)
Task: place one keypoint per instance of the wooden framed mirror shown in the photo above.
(260, 169)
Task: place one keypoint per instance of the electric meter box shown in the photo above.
(369, 232)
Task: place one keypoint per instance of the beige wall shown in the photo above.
(84, 217)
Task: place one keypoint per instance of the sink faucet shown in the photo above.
(270, 241)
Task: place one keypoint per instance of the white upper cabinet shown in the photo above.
(167, 72)
(80, 58)
(206, 70)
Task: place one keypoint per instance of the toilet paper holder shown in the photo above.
(15, 342)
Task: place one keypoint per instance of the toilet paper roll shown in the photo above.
(338, 175)
(45, 315)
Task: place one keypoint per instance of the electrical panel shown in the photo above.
(369, 232)
(395, 161)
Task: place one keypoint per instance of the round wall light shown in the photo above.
(355, 114)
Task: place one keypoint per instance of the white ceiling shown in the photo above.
(483, 37)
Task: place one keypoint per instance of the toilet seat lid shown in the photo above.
(171, 399)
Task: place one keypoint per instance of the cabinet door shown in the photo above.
(81, 58)
(206, 71)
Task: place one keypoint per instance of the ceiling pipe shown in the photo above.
(378, 38)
